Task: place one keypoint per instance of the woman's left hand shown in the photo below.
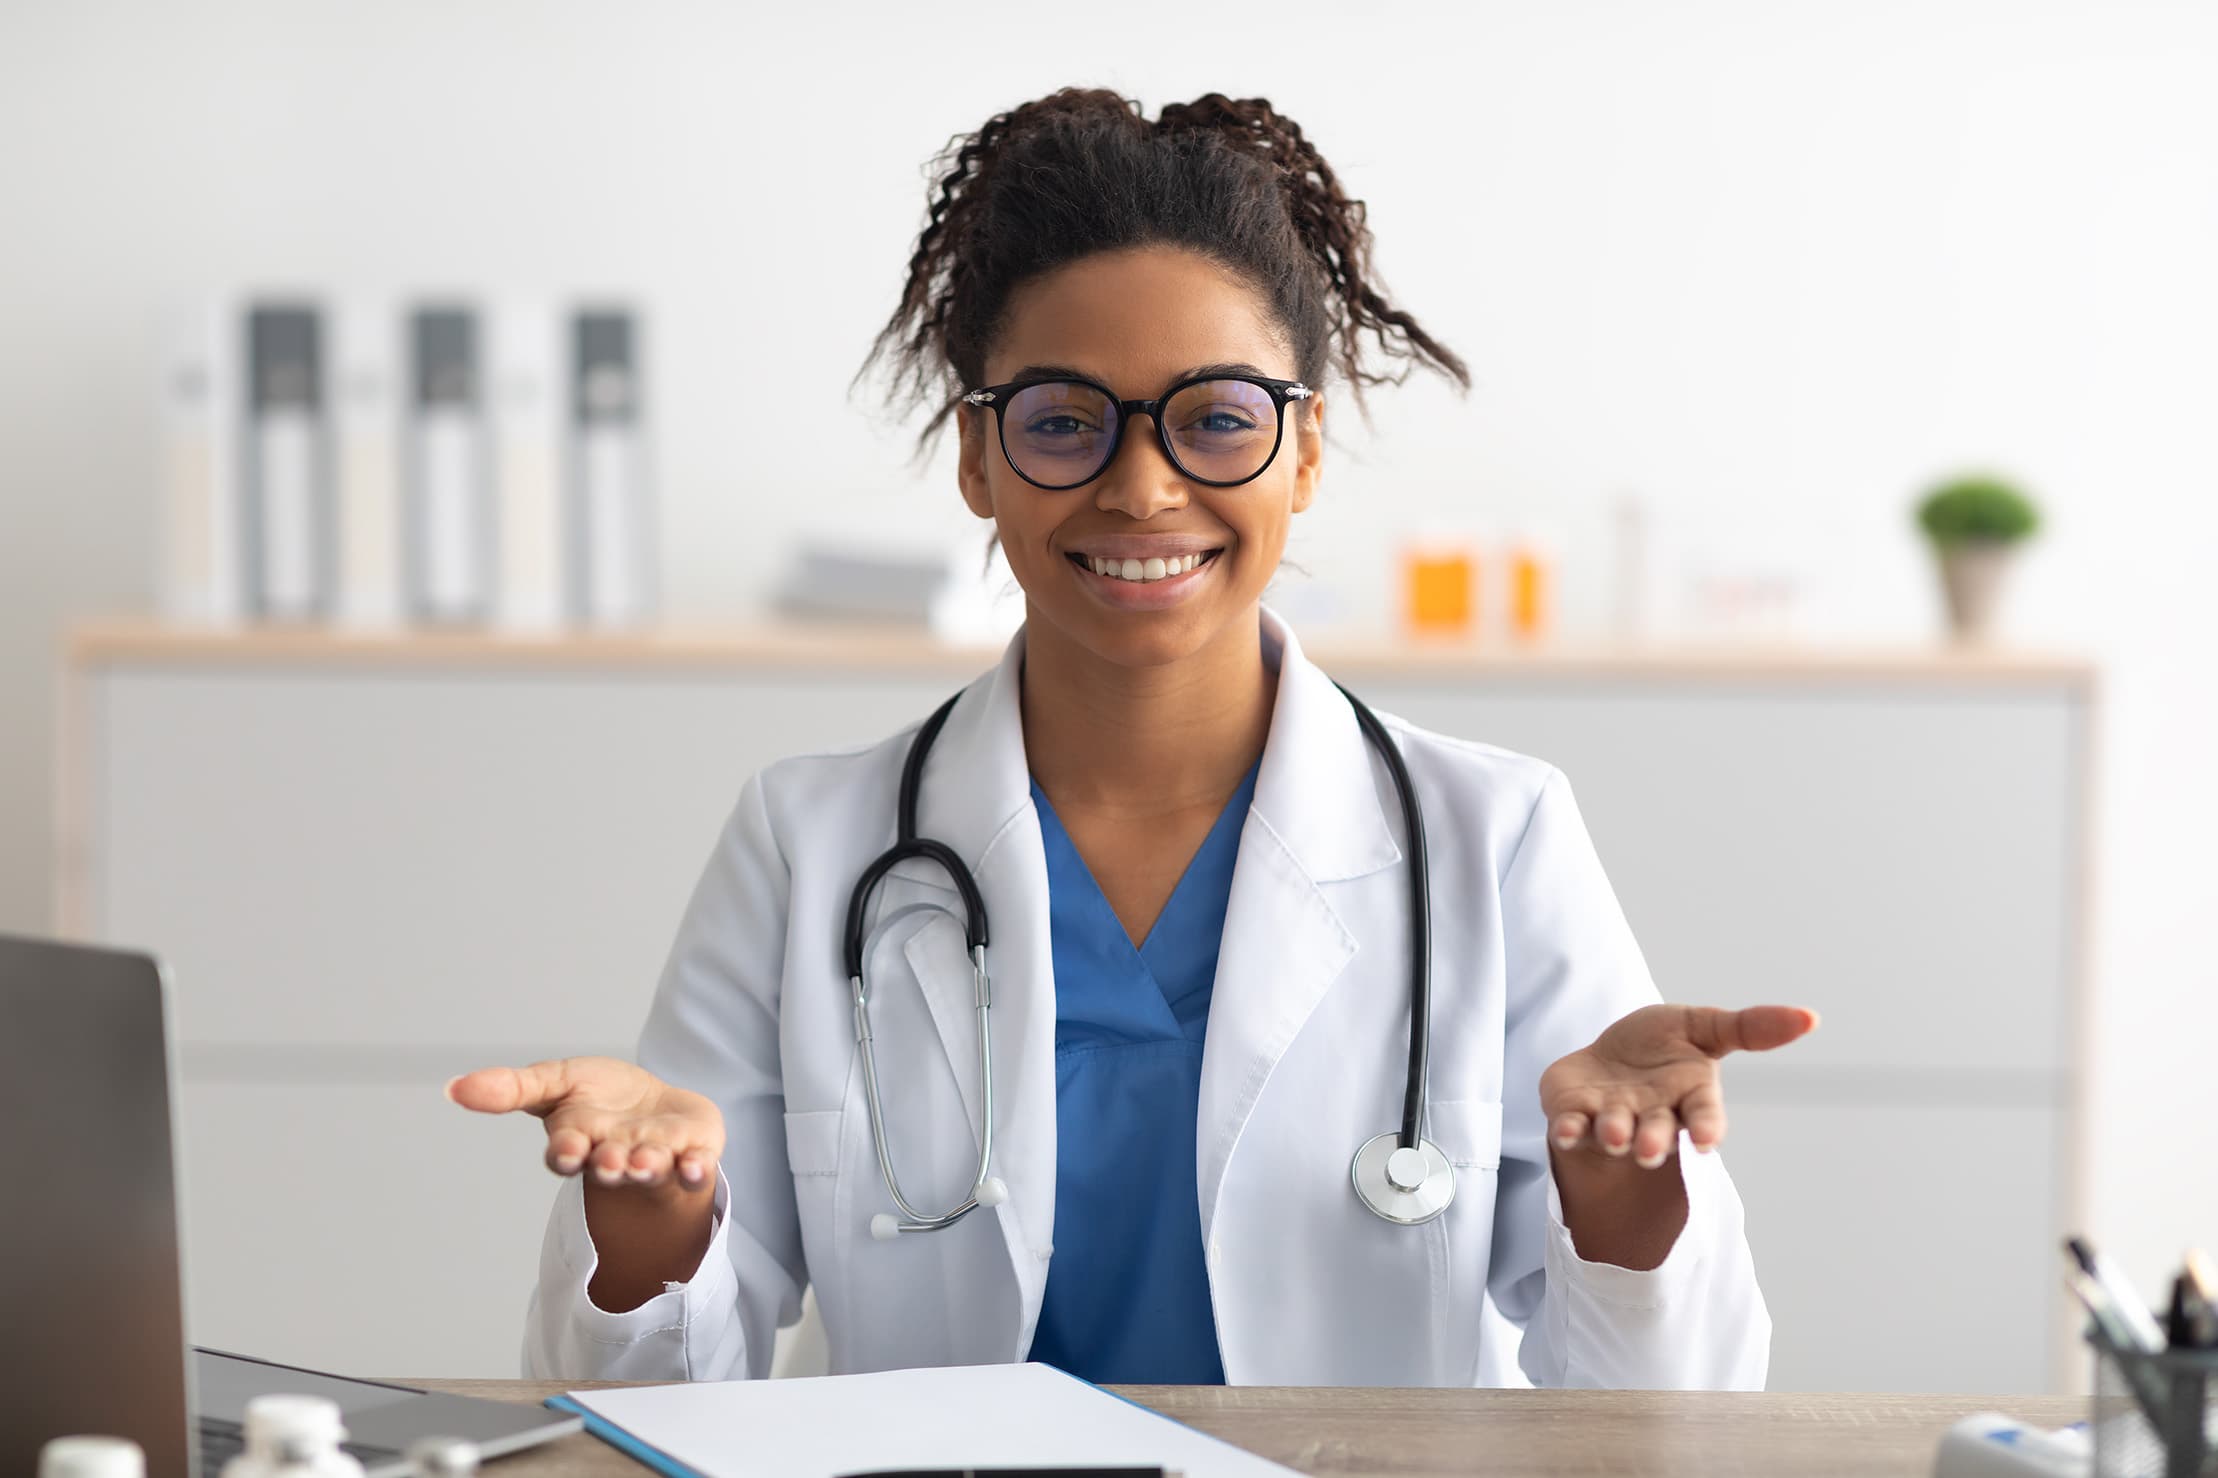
(1652, 1073)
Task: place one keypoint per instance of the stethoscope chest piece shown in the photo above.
(1406, 1186)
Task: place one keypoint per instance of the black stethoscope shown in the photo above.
(1400, 1176)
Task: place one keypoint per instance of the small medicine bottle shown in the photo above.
(92, 1457)
(293, 1437)
(1531, 578)
(442, 1457)
(1440, 587)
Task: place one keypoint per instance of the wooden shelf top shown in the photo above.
(141, 643)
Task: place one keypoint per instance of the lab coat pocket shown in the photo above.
(1469, 1132)
(813, 1153)
(812, 1142)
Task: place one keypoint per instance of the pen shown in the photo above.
(2126, 1342)
(2195, 1305)
(2129, 1316)
(2107, 1316)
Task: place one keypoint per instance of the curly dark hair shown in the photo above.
(1083, 170)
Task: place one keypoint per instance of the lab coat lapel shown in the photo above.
(976, 796)
(1317, 820)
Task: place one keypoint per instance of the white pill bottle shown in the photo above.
(293, 1437)
(92, 1457)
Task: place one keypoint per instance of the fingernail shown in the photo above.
(642, 1172)
(690, 1173)
(449, 1089)
(1650, 1162)
(567, 1164)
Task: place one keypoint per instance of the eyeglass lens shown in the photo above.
(1059, 433)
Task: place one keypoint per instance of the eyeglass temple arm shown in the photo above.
(1295, 391)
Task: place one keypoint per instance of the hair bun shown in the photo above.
(1083, 170)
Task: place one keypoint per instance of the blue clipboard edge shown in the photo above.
(623, 1441)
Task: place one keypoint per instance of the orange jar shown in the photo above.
(1440, 582)
(1531, 574)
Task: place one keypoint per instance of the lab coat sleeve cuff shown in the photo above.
(1695, 1321)
(1640, 1288)
(676, 1309)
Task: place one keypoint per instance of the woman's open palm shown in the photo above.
(1652, 1073)
(623, 1121)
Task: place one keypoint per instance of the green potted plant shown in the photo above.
(1975, 522)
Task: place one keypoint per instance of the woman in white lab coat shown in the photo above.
(1196, 877)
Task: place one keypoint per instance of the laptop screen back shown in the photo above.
(88, 1217)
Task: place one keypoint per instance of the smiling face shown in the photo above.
(1137, 321)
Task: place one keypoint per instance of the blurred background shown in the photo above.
(1740, 284)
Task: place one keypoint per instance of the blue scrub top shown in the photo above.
(1127, 1295)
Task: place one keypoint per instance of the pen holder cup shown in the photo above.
(2153, 1414)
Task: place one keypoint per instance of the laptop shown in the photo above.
(90, 1276)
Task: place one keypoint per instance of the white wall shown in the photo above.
(1772, 266)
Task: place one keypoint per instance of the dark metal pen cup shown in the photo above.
(2153, 1413)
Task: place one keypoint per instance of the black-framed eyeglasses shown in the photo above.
(1219, 430)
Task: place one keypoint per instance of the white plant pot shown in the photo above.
(1972, 580)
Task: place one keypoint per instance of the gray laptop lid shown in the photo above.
(88, 1222)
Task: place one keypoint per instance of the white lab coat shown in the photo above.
(1304, 1059)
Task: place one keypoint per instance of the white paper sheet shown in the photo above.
(944, 1417)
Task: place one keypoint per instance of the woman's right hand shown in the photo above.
(607, 1116)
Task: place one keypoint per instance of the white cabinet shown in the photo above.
(338, 1215)
(374, 864)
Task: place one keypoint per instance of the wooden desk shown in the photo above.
(1491, 1433)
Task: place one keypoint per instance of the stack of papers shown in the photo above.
(950, 1417)
(839, 583)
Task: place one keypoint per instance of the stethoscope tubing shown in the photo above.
(982, 993)
(1420, 922)
(908, 844)
(1407, 1193)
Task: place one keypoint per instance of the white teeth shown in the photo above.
(1143, 571)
